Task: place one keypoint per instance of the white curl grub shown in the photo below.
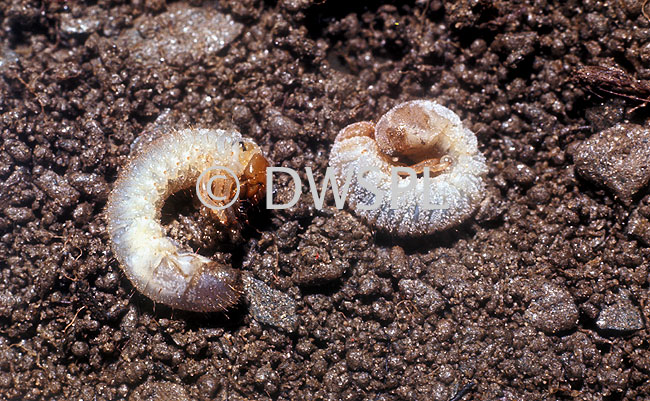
(156, 265)
(414, 134)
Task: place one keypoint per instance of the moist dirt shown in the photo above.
(541, 295)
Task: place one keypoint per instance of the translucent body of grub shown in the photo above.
(156, 265)
(415, 134)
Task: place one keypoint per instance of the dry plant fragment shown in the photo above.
(613, 81)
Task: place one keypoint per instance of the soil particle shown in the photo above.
(552, 310)
(491, 208)
(519, 173)
(427, 300)
(182, 31)
(79, 349)
(90, 184)
(160, 391)
(82, 21)
(606, 115)
(617, 158)
(317, 267)
(19, 214)
(8, 58)
(620, 316)
(267, 380)
(58, 188)
(18, 150)
(510, 300)
(281, 127)
(639, 224)
(83, 213)
(516, 45)
(314, 264)
(269, 306)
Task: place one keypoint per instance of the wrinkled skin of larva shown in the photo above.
(418, 134)
(155, 264)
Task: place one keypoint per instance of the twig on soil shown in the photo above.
(31, 90)
(463, 391)
(614, 81)
(29, 352)
(423, 16)
(502, 20)
(406, 302)
(73, 319)
(64, 274)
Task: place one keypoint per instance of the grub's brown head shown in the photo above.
(253, 177)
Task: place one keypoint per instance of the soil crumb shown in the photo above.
(543, 295)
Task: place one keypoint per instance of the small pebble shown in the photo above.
(553, 310)
(639, 227)
(57, 188)
(79, 349)
(621, 316)
(160, 391)
(282, 127)
(19, 215)
(269, 306)
(201, 32)
(91, 185)
(427, 300)
(618, 159)
(88, 23)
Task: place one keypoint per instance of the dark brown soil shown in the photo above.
(543, 295)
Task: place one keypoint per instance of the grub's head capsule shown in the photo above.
(413, 130)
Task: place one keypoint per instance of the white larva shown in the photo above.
(413, 134)
(155, 264)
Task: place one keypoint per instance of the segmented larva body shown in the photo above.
(155, 264)
(414, 134)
